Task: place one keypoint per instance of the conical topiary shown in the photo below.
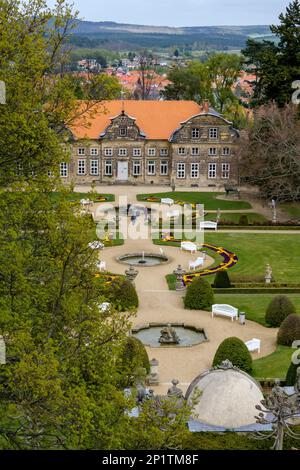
(279, 308)
(289, 330)
(236, 352)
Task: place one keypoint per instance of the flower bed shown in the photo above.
(229, 260)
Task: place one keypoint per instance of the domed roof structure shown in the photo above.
(228, 397)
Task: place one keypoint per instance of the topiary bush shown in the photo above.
(199, 295)
(123, 295)
(133, 356)
(279, 308)
(236, 352)
(289, 330)
(243, 220)
(291, 375)
(222, 280)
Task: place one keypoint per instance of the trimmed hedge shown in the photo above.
(199, 295)
(123, 295)
(289, 330)
(236, 352)
(279, 308)
(222, 280)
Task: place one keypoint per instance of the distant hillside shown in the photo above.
(117, 36)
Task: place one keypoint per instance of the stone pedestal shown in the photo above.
(153, 378)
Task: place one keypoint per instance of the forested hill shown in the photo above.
(117, 36)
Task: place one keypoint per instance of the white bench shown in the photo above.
(96, 245)
(208, 224)
(196, 264)
(253, 345)
(188, 246)
(167, 201)
(225, 310)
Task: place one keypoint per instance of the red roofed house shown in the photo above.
(151, 142)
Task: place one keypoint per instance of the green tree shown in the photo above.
(278, 309)
(283, 58)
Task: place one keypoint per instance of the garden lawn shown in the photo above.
(256, 250)
(275, 365)
(209, 200)
(254, 305)
(292, 209)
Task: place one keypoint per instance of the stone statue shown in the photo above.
(174, 391)
(169, 335)
(268, 275)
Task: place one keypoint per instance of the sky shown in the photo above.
(182, 12)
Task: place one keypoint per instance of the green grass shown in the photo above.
(254, 305)
(75, 197)
(208, 199)
(255, 250)
(292, 209)
(235, 217)
(275, 365)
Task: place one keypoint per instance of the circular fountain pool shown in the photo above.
(150, 335)
(143, 259)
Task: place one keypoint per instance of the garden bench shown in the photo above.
(208, 224)
(225, 310)
(188, 246)
(167, 201)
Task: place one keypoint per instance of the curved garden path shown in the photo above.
(158, 304)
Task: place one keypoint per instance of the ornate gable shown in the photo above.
(123, 127)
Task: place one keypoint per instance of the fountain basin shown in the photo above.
(150, 333)
(143, 259)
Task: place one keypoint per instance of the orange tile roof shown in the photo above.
(156, 119)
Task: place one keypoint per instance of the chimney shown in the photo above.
(206, 106)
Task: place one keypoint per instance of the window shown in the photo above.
(180, 170)
(225, 170)
(136, 169)
(226, 151)
(137, 152)
(195, 133)
(151, 152)
(122, 152)
(164, 167)
(49, 173)
(108, 168)
(213, 133)
(108, 152)
(194, 170)
(81, 167)
(195, 151)
(64, 170)
(123, 131)
(181, 151)
(212, 170)
(81, 151)
(151, 167)
(164, 152)
(213, 151)
(94, 151)
(94, 167)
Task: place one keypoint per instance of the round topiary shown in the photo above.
(222, 280)
(236, 352)
(243, 220)
(123, 295)
(291, 375)
(199, 295)
(289, 330)
(279, 308)
(133, 357)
